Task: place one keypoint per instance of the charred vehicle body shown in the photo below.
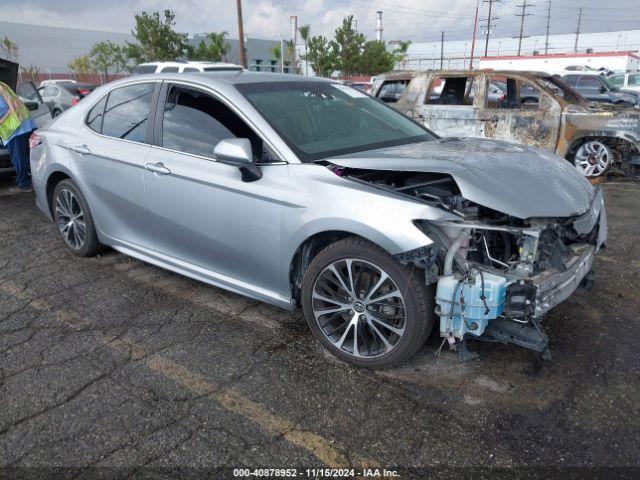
(309, 192)
(535, 109)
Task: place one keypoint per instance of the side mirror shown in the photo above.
(31, 105)
(238, 152)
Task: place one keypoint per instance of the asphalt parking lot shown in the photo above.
(109, 366)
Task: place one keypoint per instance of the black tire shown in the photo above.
(418, 299)
(56, 112)
(90, 246)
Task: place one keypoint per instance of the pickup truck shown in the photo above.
(534, 109)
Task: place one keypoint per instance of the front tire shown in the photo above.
(593, 158)
(73, 218)
(364, 307)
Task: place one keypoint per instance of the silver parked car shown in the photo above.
(64, 95)
(300, 191)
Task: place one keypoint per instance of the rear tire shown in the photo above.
(74, 220)
(385, 303)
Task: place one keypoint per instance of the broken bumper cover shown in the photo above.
(554, 288)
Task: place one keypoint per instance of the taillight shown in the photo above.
(34, 140)
(83, 92)
(74, 101)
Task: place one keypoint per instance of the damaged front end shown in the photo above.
(496, 274)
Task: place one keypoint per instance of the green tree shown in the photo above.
(347, 47)
(305, 34)
(321, 55)
(80, 67)
(400, 52)
(215, 49)
(156, 39)
(9, 49)
(375, 59)
(276, 51)
(32, 72)
(107, 55)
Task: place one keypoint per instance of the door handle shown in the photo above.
(157, 168)
(82, 149)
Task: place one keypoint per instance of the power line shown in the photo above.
(575, 48)
(522, 15)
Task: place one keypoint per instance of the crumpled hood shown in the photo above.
(514, 179)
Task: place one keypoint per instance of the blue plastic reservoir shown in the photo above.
(475, 319)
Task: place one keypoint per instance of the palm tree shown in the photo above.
(219, 45)
(305, 33)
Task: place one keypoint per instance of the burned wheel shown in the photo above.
(364, 307)
(593, 158)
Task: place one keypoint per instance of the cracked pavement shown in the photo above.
(113, 367)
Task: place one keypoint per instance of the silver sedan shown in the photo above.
(306, 192)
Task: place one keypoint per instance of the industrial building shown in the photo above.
(50, 49)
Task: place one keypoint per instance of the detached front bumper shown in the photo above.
(554, 288)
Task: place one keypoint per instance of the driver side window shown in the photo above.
(512, 93)
(194, 122)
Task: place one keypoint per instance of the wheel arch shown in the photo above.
(307, 251)
(620, 143)
(54, 179)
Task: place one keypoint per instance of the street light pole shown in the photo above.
(243, 57)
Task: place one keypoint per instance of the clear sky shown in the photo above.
(416, 20)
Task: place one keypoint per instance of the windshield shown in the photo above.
(556, 85)
(606, 81)
(320, 120)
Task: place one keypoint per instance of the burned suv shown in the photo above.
(534, 109)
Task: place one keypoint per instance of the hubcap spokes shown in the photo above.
(592, 158)
(70, 216)
(359, 308)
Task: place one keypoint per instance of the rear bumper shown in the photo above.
(554, 288)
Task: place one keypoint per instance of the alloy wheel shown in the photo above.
(359, 308)
(70, 219)
(592, 158)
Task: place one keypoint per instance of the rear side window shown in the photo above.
(634, 79)
(127, 112)
(452, 91)
(94, 117)
(392, 90)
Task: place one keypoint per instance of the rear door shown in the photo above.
(524, 114)
(109, 156)
(450, 106)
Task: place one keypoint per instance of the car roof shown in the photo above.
(187, 63)
(229, 77)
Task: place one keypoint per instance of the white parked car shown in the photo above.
(182, 67)
(626, 81)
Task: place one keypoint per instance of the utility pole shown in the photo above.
(473, 40)
(441, 50)
(489, 24)
(546, 39)
(522, 15)
(575, 47)
(243, 56)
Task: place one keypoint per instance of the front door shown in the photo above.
(523, 113)
(201, 211)
(41, 113)
(449, 108)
